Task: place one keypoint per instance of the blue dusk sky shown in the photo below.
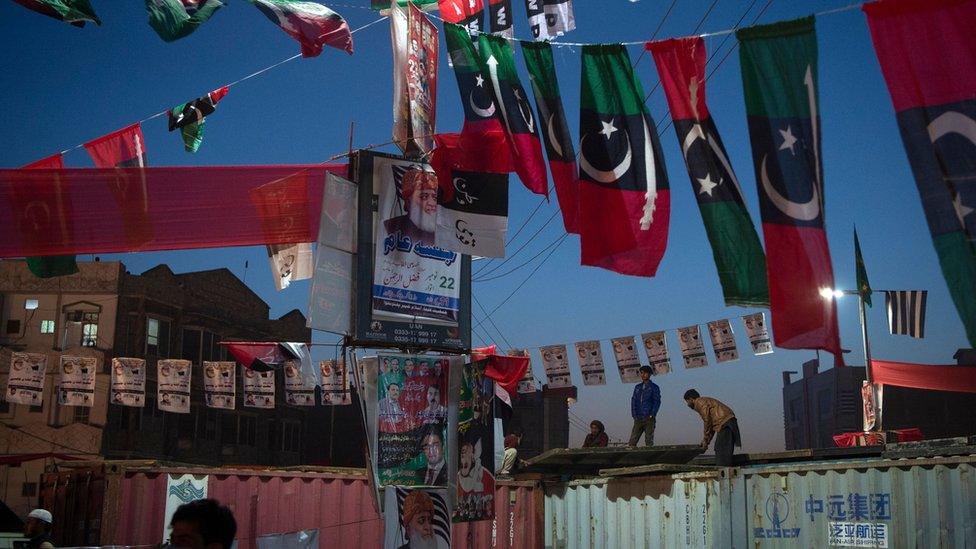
(64, 86)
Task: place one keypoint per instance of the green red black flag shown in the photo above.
(74, 12)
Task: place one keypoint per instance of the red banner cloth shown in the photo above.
(960, 379)
(507, 371)
(859, 438)
(188, 207)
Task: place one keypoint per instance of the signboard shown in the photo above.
(173, 385)
(259, 389)
(656, 347)
(335, 383)
(220, 384)
(129, 382)
(25, 382)
(591, 362)
(628, 363)
(555, 360)
(76, 386)
(411, 293)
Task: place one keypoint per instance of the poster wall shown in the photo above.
(416, 518)
(555, 360)
(692, 347)
(25, 382)
(412, 420)
(420, 294)
(475, 446)
(758, 334)
(335, 383)
(723, 341)
(625, 351)
(259, 389)
(220, 384)
(129, 382)
(76, 384)
(656, 347)
(299, 389)
(590, 357)
(173, 385)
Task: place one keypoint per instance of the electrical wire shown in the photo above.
(522, 247)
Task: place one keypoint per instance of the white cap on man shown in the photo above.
(42, 515)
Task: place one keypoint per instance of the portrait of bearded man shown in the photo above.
(419, 194)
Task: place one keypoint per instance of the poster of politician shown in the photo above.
(416, 519)
(412, 420)
(76, 386)
(475, 441)
(25, 381)
(129, 382)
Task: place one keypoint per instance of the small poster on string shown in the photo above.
(129, 382)
(555, 361)
(526, 385)
(692, 348)
(173, 385)
(299, 391)
(220, 384)
(335, 383)
(625, 352)
(591, 362)
(723, 341)
(259, 389)
(656, 347)
(76, 385)
(25, 382)
(758, 335)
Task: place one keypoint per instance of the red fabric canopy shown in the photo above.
(77, 211)
(924, 376)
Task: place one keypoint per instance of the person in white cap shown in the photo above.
(38, 529)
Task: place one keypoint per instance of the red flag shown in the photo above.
(481, 353)
(126, 148)
(42, 207)
(257, 356)
(467, 13)
(53, 162)
(487, 153)
(924, 376)
(282, 206)
(507, 371)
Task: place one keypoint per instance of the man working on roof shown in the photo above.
(643, 408)
(718, 418)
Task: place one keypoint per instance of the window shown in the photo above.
(824, 403)
(13, 326)
(47, 326)
(82, 414)
(29, 489)
(246, 433)
(89, 326)
(291, 437)
(157, 337)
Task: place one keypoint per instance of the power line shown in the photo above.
(522, 247)
(517, 232)
(490, 320)
(530, 260)
(697, 28)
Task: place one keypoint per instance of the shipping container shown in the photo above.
(124, 503)
(873, 502)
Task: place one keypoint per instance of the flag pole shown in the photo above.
(869, 377)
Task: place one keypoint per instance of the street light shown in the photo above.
(829, 293)
(833, 293)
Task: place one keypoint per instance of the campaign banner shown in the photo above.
(259, 389)
(299, 389)
(656, 347)
(129, 382)
(76, 384)
(25, 381)
(173, 385)
(416, 518)
(692, 348)
(414, 79)
(220, 384)
(412, 420)
(475, 446)
(330, 299)
(628, 363)
(723, 341)
(758, 334)
(590, 357)
(335, 383)
(555, 360)
(527, 383)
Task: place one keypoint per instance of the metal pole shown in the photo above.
(867, 361)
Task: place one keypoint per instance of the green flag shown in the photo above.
(75, 12)
(863, 285)
(52, 266)
(174, 19)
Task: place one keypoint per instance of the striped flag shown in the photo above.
(906, 312)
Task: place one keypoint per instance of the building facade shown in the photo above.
(105, 312)
(820, 405)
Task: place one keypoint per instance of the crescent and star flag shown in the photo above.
(75, 12)
(473, 214)
(51, 215)
(500, 17)
(189, 117)
(126, 148)
(312, 24)
(863, 286)
(736, 249)
(498, 65)
(625, 202)
(555, 130)
(482, 145)
(779, 74)
(174, 19)
(559, 17)
(536, 12)
(927, 52)
(466, 13)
